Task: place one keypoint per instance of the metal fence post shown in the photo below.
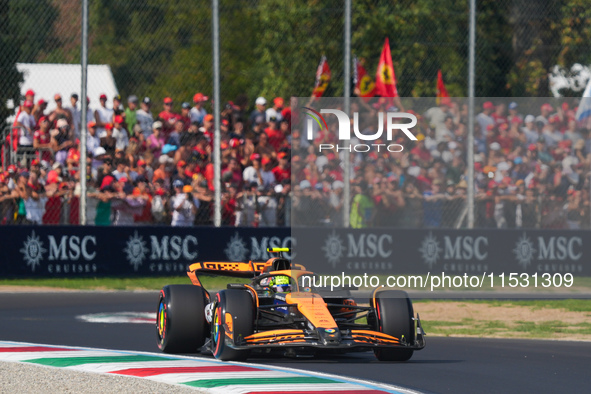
(347, 95)
(470, 153)
(216, 110)
(83, 108)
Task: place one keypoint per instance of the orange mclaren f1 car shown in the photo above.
(281, 310)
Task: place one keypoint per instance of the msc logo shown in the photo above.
(456, 249)
(561, 249)
(163, 248)
(65, 248)
(372, 245)
(237, 248)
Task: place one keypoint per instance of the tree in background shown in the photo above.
(8, 58)
(272, 47)
(25, 32)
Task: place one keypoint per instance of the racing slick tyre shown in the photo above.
(394, 316)
(233, 320)
(180, 319)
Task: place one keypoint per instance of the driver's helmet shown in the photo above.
(280, 284)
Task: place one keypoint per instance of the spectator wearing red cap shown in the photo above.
(504, 139)
(484, 118)
(197, 113)
(167, 116)
(208, 128)
(258, 173)
(545, 111)
(73, 158)
(26, 124)
(499, 115)
(105, 195)
(109, 142)
(102, 116)
(276, 136)
(53, 206)
(180, 173)
(39, 110)
(119, 133)
(236, 150)
(282, 171)
(273, 114)
(33, 196)
(30, 95)
(42, 140)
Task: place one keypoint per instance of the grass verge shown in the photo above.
(568, 319)
(148, 283)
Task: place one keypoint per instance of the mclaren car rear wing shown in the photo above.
(243, 269)
(228, 268)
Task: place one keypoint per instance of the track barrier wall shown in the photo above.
(70, 251)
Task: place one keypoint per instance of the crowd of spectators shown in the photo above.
(530, 171)
(150, 166)
(147, 166)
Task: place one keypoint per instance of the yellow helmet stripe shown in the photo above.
(277, 250)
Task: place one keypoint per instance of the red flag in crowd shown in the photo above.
(385, 77)
(322, 78)
(441, 90)
(363, 83)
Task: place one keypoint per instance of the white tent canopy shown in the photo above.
(47, 80)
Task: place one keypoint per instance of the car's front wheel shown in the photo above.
(233, 320)
(393, 315)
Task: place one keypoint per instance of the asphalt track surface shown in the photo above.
(454, 365)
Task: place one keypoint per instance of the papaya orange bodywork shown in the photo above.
(313, 307)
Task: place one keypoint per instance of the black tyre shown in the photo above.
(394, 316)
(180, 319)
(238, 306)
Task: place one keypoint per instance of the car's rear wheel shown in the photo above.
(180, 319)
(394, 316)
(233, 320)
